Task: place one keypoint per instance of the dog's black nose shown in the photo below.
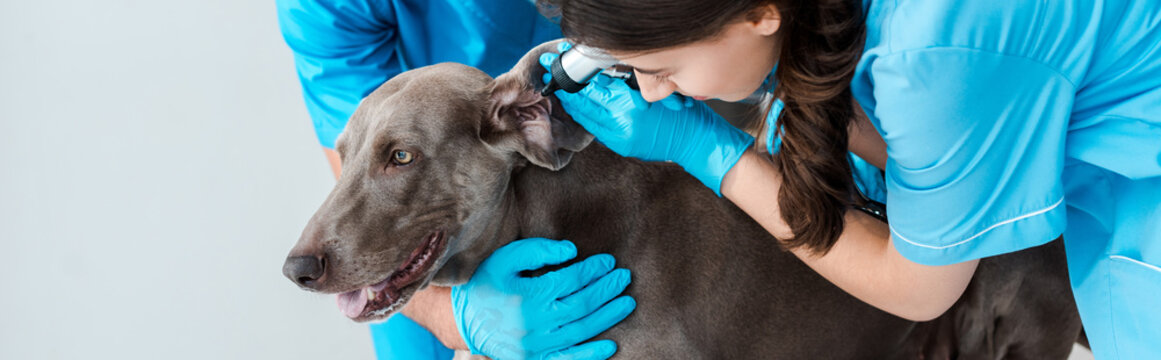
(305, 270)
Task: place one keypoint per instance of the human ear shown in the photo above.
(765, 19)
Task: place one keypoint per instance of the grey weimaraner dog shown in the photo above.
(491, 161)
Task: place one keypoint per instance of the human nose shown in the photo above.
(654, 89)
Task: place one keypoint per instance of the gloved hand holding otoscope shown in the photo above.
(675, 129)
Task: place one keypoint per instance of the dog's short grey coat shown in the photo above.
(711, 283)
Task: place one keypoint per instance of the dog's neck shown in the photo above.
(483, 232)
(584, 199)
(580, 202)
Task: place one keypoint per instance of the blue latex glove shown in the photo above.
(691, 135)
(505, 316)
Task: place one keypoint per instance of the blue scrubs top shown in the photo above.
(1008, 122)
(344, 49)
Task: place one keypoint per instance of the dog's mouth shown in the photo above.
(385, 297)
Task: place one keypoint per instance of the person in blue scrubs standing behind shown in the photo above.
(344, 49)
(1000, 125)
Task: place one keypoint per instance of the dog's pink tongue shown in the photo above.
(351, 303)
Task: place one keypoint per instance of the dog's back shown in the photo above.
(712, 283)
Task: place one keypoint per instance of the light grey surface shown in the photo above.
(156, 164)
(1080, 353)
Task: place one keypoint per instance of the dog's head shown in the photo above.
(427, 160)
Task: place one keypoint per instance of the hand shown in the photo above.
(691, 134)
(504, 316)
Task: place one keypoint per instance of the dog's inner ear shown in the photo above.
(523, 121)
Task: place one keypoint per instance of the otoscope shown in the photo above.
(573, 69)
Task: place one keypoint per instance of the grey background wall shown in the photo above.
(156, 164)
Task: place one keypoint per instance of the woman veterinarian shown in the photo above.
(1001, 125)
(344, 49)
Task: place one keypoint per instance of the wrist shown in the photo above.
(432, 309)
(753, 185)
(720, 155)
(458, 302)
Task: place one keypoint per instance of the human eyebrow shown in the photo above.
(649, 72)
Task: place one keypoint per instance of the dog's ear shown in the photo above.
(522, 120)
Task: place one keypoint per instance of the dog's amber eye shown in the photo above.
(403, 157)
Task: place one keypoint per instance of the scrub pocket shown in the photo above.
(1135, 289)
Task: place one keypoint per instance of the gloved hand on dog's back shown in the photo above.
(504, 315)
(681, 130)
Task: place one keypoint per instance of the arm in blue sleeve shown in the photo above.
(399, 337)
(975, 144)
(343, 50)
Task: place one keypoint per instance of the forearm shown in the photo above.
(863, 261)
(430, 307)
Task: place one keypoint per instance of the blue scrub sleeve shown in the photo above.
(400, 338)
(343, 50)
(975, 144)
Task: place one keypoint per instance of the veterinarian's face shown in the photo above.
(728, 67)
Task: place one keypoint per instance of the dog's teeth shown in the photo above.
(370, 294)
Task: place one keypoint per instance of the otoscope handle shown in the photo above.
(575, 67)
